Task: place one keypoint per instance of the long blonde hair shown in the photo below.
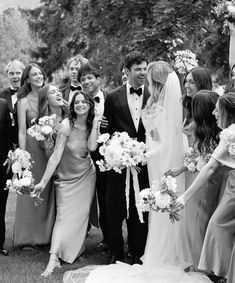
(157, 74)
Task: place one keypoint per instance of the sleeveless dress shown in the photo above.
(33, 225)
(74, 185)
(220, 235)
(199, 208)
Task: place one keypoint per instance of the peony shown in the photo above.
(47, 130)
(25, 182)
(162, 200)
(16, 167)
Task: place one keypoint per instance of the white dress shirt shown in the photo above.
(99, 106)
(135, 104)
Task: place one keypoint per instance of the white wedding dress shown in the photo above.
(161, 263)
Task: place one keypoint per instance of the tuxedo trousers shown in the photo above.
(3, 202)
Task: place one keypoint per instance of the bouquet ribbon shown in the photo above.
(132, 171)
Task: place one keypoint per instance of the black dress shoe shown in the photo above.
(136, 260)
(114, 258)
(4, 252)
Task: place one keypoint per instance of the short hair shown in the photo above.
(79, 59)
(134, 57)
(87, 69)
(14, 62)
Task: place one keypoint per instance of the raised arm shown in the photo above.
(55, 157)
(92, 139)
(21, 114)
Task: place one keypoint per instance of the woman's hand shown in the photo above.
(38, 189)
(174, 172)
(179, 204)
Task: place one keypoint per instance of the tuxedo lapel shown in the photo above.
(9, 101)
(124, 105)
(146, 96)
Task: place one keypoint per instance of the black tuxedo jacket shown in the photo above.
(5, 139)
(118, 114)
(6, 94)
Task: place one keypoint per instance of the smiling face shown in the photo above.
(136, 74)
(81, 105)
(190, 85)
(90, 84)
(14, 75)
(218, 115)
(54, 96)
(36, 78)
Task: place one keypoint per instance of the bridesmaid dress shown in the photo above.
(33, 225)
(198, 210)
(75, 186)
(231, 271)
(220, 235)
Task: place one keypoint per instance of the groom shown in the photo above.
(123, 110)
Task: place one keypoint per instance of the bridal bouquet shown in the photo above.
(44, 130)
(185, 60)
(120, 151)
(228, 136)
(226, 10)
(22, 181)
(160, 197)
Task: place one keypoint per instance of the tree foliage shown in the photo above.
(105, 30)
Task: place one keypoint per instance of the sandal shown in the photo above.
(52, 265)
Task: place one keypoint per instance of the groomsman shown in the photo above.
(123, 112)
(72, 84)
(14, 71)
(5, 145)
(89, 78)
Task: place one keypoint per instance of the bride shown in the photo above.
(162, 118)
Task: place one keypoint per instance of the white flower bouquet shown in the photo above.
(191, 159)
(120, 151)
(44, 130)
(228, 136)
(226, 10)
(185, 60)
(22, 181)
(160, 197)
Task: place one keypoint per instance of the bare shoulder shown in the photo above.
(65, 127)
(22, 103)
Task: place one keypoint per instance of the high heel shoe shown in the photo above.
(52, 265)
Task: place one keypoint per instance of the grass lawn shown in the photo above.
(25, 266)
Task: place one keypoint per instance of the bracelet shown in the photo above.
(95, 128)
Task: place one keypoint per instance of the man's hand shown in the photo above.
(104, 123)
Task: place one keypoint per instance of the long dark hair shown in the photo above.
(25, 88)
(227, 108)
(206, 130)
(230, 87)
(91, 113)
(43, 107)
(203, 80)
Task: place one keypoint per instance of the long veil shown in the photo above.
(167, 151)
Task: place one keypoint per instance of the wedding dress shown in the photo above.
(161, 263)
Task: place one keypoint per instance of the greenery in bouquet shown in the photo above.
(120, 151)
(161, 197)
(44, 130)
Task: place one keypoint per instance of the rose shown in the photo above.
(47, 130)
(162, 200)
(103, 138)
(16, 167)
(191, 167)
(25, 182)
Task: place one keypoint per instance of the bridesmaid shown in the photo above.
(75, 183)
(200, 208)
(219, 239)
(231, 271)
(33, 225)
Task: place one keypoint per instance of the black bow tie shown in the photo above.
(73, 88)
(137, 91)
(13, 91)
(97, 99)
